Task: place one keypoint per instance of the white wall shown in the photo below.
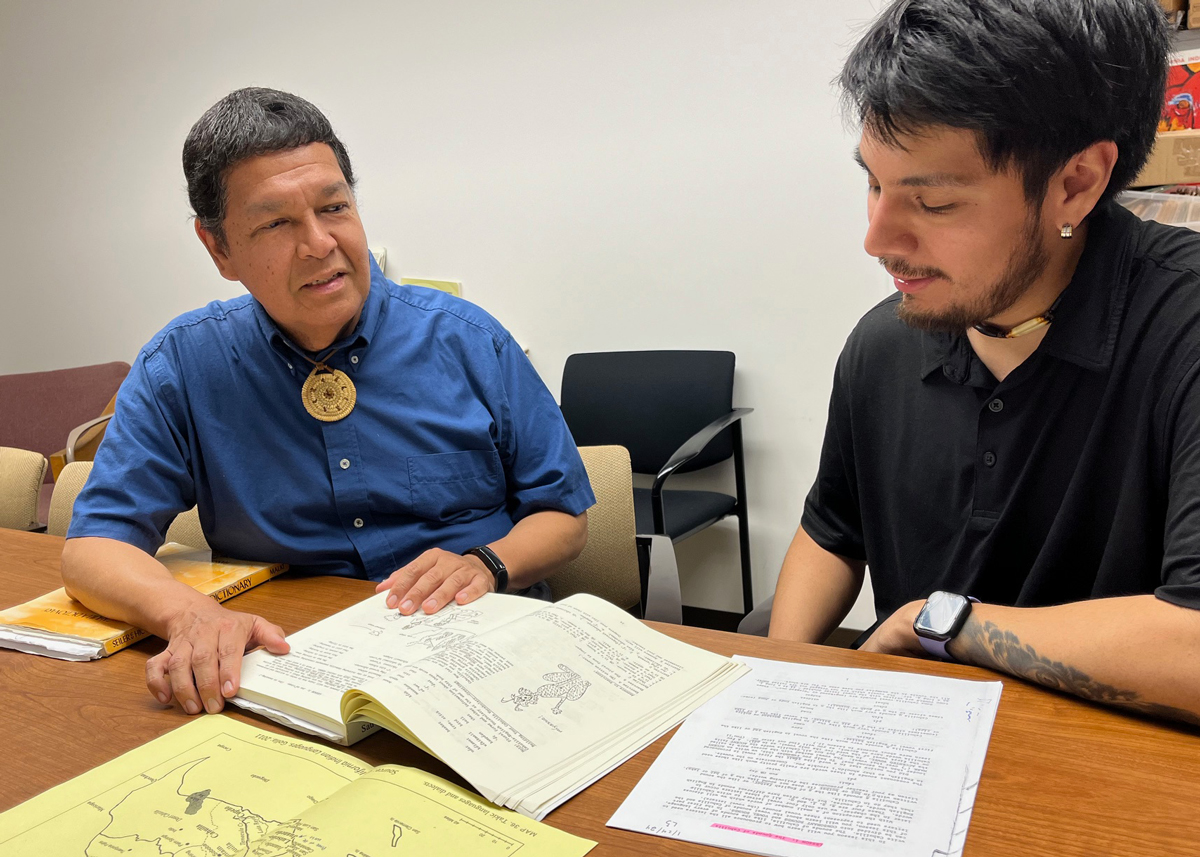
(601, 175)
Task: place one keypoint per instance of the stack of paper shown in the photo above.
(797, 759)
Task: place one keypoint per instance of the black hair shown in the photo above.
(1038, 80)
(248, 122)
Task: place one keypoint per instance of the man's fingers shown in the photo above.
(477, 588)
(179, 668)
(232, 646)
(157, 680)
(269, 636)
(458, 580)
(403, 579)
(206, 668)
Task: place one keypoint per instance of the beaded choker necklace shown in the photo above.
(1036, 323)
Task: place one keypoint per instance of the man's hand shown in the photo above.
(201, 666)
(895, 636)
(434, 579)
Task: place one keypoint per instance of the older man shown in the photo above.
(1013, 444)
(330, 419)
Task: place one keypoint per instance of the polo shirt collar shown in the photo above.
(368, 323)
(1089, 314)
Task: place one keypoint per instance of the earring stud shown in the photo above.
(1067, 230)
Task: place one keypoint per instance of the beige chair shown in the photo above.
(608, 566)
(185, 529)
(21, 475)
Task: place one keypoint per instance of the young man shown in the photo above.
(330, 419)
(1020, 422)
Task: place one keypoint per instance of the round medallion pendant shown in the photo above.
(330, 395)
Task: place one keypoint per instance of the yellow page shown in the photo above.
(217, 786)
(398, 810)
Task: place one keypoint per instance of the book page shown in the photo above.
(360, 643)
(217, 786)
(525, 699)
(797, 758)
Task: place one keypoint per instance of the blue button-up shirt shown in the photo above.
(453, 439)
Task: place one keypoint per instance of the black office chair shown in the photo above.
(673, 411)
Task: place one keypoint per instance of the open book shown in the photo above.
(530, 702)
(58, 626)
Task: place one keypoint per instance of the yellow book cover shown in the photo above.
(58, 626)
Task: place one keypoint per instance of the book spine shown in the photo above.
(126, 639)
(249, 581)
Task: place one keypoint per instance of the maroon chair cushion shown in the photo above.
(42, 407)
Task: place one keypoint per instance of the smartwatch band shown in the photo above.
(494, 564)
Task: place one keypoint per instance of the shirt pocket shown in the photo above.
(452, 487)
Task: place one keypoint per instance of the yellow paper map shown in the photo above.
(220, 787)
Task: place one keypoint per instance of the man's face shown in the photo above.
(960, 241)
(294, 240)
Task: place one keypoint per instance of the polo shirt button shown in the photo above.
(358, 522)
(354, 358)
(995, 406)
(989, 458)
(345, 463)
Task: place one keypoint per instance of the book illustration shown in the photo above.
(449, 615)
(216, 786)
(565, 686)
(433, 642)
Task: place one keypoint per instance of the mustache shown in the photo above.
(905, 271)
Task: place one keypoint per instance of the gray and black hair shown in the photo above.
(1038, 80)
(248, 122)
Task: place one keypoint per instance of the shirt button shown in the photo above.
(989, 458)
(995, 406)
(358, 522)
(354, 358)
(345, 463)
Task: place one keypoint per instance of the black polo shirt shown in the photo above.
(1076, 477)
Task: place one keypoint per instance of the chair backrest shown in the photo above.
(185, 529)
(649, 402)
(608, 566)
(53, 403)
(21, 474)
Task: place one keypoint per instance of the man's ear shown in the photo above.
(217, 250)
(1076, 188)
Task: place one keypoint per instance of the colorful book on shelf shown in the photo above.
(57, 626)
(529, 702)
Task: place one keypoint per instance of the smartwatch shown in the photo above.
(494, 564)
(941, 618)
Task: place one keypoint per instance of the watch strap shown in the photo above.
(494, 564)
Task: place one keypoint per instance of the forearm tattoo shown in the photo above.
(986, 645)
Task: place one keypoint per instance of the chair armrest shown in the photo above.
(77, 432)
(695, 444)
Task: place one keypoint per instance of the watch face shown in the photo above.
(938, 617)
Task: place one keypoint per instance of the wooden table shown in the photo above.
(1062, 777)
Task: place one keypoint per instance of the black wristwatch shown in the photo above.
(940, 620)
(494, 564)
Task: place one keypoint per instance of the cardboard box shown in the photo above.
(1174, 160)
